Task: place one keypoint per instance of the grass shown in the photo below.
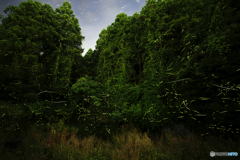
(46, 143)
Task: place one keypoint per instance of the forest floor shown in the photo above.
(46, 143)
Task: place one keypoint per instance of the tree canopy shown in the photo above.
(181, 47)
(170, 61)
(32, 25)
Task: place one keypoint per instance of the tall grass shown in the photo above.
(49, 143)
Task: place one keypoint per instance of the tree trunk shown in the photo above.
(69, 69)
(56, 68)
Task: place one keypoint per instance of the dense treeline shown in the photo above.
(175, 62)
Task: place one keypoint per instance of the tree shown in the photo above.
(178, 47)
(32, 25)
(18, 40)
(5, 59)
(72, 40)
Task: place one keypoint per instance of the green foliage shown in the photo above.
(87, 93)
(172, 44)
(153, 69)
(85, 85)
(19, 85)
(44, 25)
(87, 65)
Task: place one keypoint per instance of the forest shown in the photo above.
(175, 62)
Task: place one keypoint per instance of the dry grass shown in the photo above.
(127, 145)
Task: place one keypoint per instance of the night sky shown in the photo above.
(93, 15)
